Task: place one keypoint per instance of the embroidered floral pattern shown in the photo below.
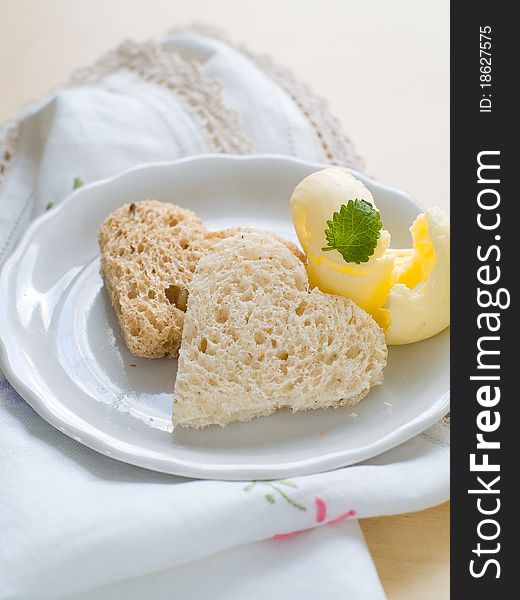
(320, 506)
(9, 394)
(275, 486)
(321, 510)
(320, 517)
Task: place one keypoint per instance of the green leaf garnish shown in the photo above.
(49, 205)
(78, 182)
(354, 231)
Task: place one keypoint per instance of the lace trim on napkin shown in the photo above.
(200, 94)
(203, 97)
(337, 147)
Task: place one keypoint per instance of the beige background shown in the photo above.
(382, 65)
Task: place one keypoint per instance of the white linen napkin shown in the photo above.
(76, 524)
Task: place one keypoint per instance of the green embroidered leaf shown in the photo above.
(287, 483)
(77, 183)
(354, 231)
(289, 499)
(271, 497)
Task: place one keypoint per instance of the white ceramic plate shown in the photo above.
(62, 350)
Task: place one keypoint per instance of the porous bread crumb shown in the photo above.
(257, 339)
(149, 251)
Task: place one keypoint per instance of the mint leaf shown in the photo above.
(354, 231)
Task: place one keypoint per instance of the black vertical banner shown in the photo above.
(485, 333)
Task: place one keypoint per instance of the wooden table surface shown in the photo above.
(384, 68)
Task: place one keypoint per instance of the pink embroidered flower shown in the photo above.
(321, 510)
(343, 517)
(320, 517)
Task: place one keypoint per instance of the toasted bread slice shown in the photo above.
(256, 339)
(149, 251)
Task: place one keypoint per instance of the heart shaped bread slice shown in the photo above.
(256, 339)
(149, 251)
